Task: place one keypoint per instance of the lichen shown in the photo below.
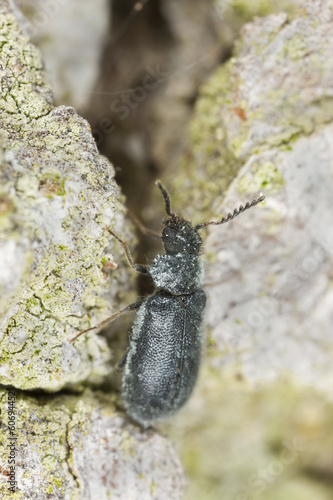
(277, 416)
(265, 177)
(255, 102)
(247, 10)
(210, 155)
(57, 197)
(43, 424)
(61, 438)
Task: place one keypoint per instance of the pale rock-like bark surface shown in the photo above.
(71, 36)
(264, 122)
(266, 118)
(57, 197)
(205, 31)
(81, 448)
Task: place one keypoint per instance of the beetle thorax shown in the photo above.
(178, 274)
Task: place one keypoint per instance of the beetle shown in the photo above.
(162, 362)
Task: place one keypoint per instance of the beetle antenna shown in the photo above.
(231, 216)
(166, 199)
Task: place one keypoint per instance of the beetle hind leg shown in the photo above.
(107, 321)
(122, 362)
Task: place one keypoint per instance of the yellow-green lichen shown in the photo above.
(127, 445)
(152, 488)
(233, 120)
(265, 177)
(33, 306)
(295, 48)
(58, 483)
(226, 414)
(215, 163)
(51, 183)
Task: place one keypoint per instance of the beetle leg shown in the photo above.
(122, 362)
(107, 321)
(137, 267)
(144, 230)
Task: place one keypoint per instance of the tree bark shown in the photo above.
(57, 197)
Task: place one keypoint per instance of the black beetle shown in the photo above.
(163, 358)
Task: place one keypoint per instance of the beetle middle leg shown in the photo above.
(144, 230)
(107, 321)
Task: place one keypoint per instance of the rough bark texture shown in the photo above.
(269, 304)
(264, 122)
(80, 448)
(144, 99)
(71, 36)
(57, 196)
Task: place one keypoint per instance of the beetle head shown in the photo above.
(179, 236)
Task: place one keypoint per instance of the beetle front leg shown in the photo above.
(107, 321)
(137, 267)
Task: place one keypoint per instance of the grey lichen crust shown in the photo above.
(268, 115)
(78, 448)
(57, 196)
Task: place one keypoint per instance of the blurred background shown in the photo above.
(220, 110)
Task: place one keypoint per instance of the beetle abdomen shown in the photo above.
(164, 355)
